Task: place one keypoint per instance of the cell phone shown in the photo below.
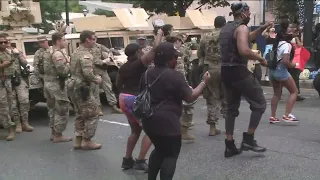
(205, 68)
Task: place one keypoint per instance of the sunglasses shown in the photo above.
(3, 42)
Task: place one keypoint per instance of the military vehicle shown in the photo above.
(113, 32)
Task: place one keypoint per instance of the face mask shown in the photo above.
(245, 18)
(288, 37)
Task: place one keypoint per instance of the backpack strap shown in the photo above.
(156, 79)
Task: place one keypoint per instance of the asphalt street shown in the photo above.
(293, 151)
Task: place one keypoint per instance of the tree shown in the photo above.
(284, 9)
(51, 11)
(104, 12)
(172, 7)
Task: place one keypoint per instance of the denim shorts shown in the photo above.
(279, 74)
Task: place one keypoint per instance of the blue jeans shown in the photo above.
(279, 74)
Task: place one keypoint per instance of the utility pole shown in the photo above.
(67, 12)
(307, 31)
(264, 12)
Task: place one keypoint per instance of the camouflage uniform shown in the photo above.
(209, 52)
(82, 75)
(39, 58)
(187, 109)
(6, 93)
(56, 71)
(20, 95)
(97, 52)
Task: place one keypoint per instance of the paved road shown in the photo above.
(293, 151)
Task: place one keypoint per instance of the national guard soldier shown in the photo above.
(20, 91)
(82, 62)
(56, 72)
(106, 85)
(40, 55)
(187, 111)
(142, 41)
(209, 52)
(7, 71)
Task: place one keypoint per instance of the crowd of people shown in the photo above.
(158, 70)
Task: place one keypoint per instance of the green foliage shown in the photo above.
(104, 12)
(172, 7)
(284, 9)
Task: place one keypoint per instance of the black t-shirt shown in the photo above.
(129, 76)
(173, 88)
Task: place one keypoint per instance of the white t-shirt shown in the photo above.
(284, 49)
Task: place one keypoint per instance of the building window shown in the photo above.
(113, 42)
(150, 39)
(32, 47)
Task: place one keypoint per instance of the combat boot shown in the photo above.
(116, 109)
(87, 144)
(185, 134)
(11, 134)
(59, 138)
(25, 124)
(18, 124)
(214, 130)
(249, 144)
(231, 149)
(100, 111)
(77, 142)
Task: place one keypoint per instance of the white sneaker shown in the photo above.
(266, 78)
(290, 118)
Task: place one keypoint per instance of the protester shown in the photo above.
(279, 75)
(128, 82)
(167, 94)
(297, 42)
(270, 35)
(238, 80)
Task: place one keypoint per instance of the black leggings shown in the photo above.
(164, 157)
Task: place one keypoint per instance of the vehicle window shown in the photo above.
(32, 47)
(116, 42)
(191, 36)
(77, 44)
(13, 45)
(150, 39)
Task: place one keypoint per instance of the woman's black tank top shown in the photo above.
(271, 40)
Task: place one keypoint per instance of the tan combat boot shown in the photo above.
(185, 134)
(87, 144)
(77, 142)
(25, 124)
(116, 109)
(214, 130)
(191, 125)
(100, 111)
(11, 134)
(18, 124)
(59, 138)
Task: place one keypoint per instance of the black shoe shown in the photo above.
(231, 149)
(141, 165)
(300, 98)
(249, 144)
(127, 163)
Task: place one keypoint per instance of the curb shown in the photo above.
(306, 84)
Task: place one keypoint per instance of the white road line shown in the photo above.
(113, 122)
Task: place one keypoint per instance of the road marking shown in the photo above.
(114, 122)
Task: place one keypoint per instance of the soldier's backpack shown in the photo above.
(271, 57)
(142, 108)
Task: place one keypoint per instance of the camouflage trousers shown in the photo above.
(87, 116)
(106, 85)
(6, 103)
(20, 102)
(58, 106)
(95, 88)
(187, 115)
(214, 95)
